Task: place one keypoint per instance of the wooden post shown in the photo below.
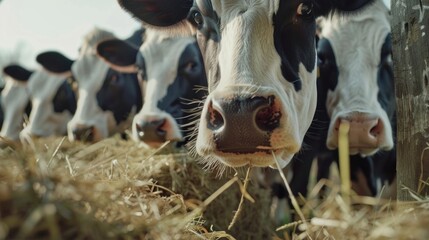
(410, 33)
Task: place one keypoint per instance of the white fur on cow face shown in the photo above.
(161, 55)
(356, 42)
(250, 65)
(44, 121)
(14, 99)
(90, 72)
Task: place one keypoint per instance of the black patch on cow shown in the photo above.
(141, 66)
(158, 12)
(294, 40)
(28, 108)
(327, 64)
(386, 85)
(17, 72)
(323, 7)
(118, 52)
(54, 62)
(65, 99)
(119, 94)
(182, 93)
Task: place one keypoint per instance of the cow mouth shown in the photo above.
(262, 157)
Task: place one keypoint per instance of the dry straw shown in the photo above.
(116, 190)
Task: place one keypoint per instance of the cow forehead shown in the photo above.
(90, 72)
(162, 54)
(357, 36)
(225, 8)
(44, 85)
(14, 92)
(92, 38)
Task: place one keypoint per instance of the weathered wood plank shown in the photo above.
(410, 32)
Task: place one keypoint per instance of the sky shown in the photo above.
(33, 26)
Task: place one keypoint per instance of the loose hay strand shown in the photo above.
(243, 194)
(343, 149)
(289, 190)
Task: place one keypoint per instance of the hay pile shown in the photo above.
(116, 190)
(364, 218)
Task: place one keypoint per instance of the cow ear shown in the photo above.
(323, 7)
(158, 13)
(18, 72)
(120, 55)
(137, 38)
(54, 62)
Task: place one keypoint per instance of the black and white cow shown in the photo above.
(260, 61)
(355, 85)
(15, 101)
(107, 99)
(356, 68)
(52, 97)
(170, 69)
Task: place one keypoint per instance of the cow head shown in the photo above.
(53, 99)
(15, 100)
(106, 98)
(170, 70)
(356, 68)
(260, 61)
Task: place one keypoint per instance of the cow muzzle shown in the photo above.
(242, 124)
(84, 133)
(151, 132)
(367, 135)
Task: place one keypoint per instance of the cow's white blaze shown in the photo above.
(161, 54)
(356, 41)
(14, 99)
(90, 72)
(250, 65)
(44, 121)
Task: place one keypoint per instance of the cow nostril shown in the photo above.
(376, 129)
(159, 130)
(267, 119)
(84, 134)
(215, 119)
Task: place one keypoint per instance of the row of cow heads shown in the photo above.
(109, 95)
(260, 61)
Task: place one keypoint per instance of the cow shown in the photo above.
(355, 86)
(52, 97)
(107, 99)
(15, 102)
(358, 77)
(260, 60)
(171, 70)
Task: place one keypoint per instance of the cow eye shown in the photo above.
(305, 9)
(198, 18)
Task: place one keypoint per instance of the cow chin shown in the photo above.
(257, 159)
